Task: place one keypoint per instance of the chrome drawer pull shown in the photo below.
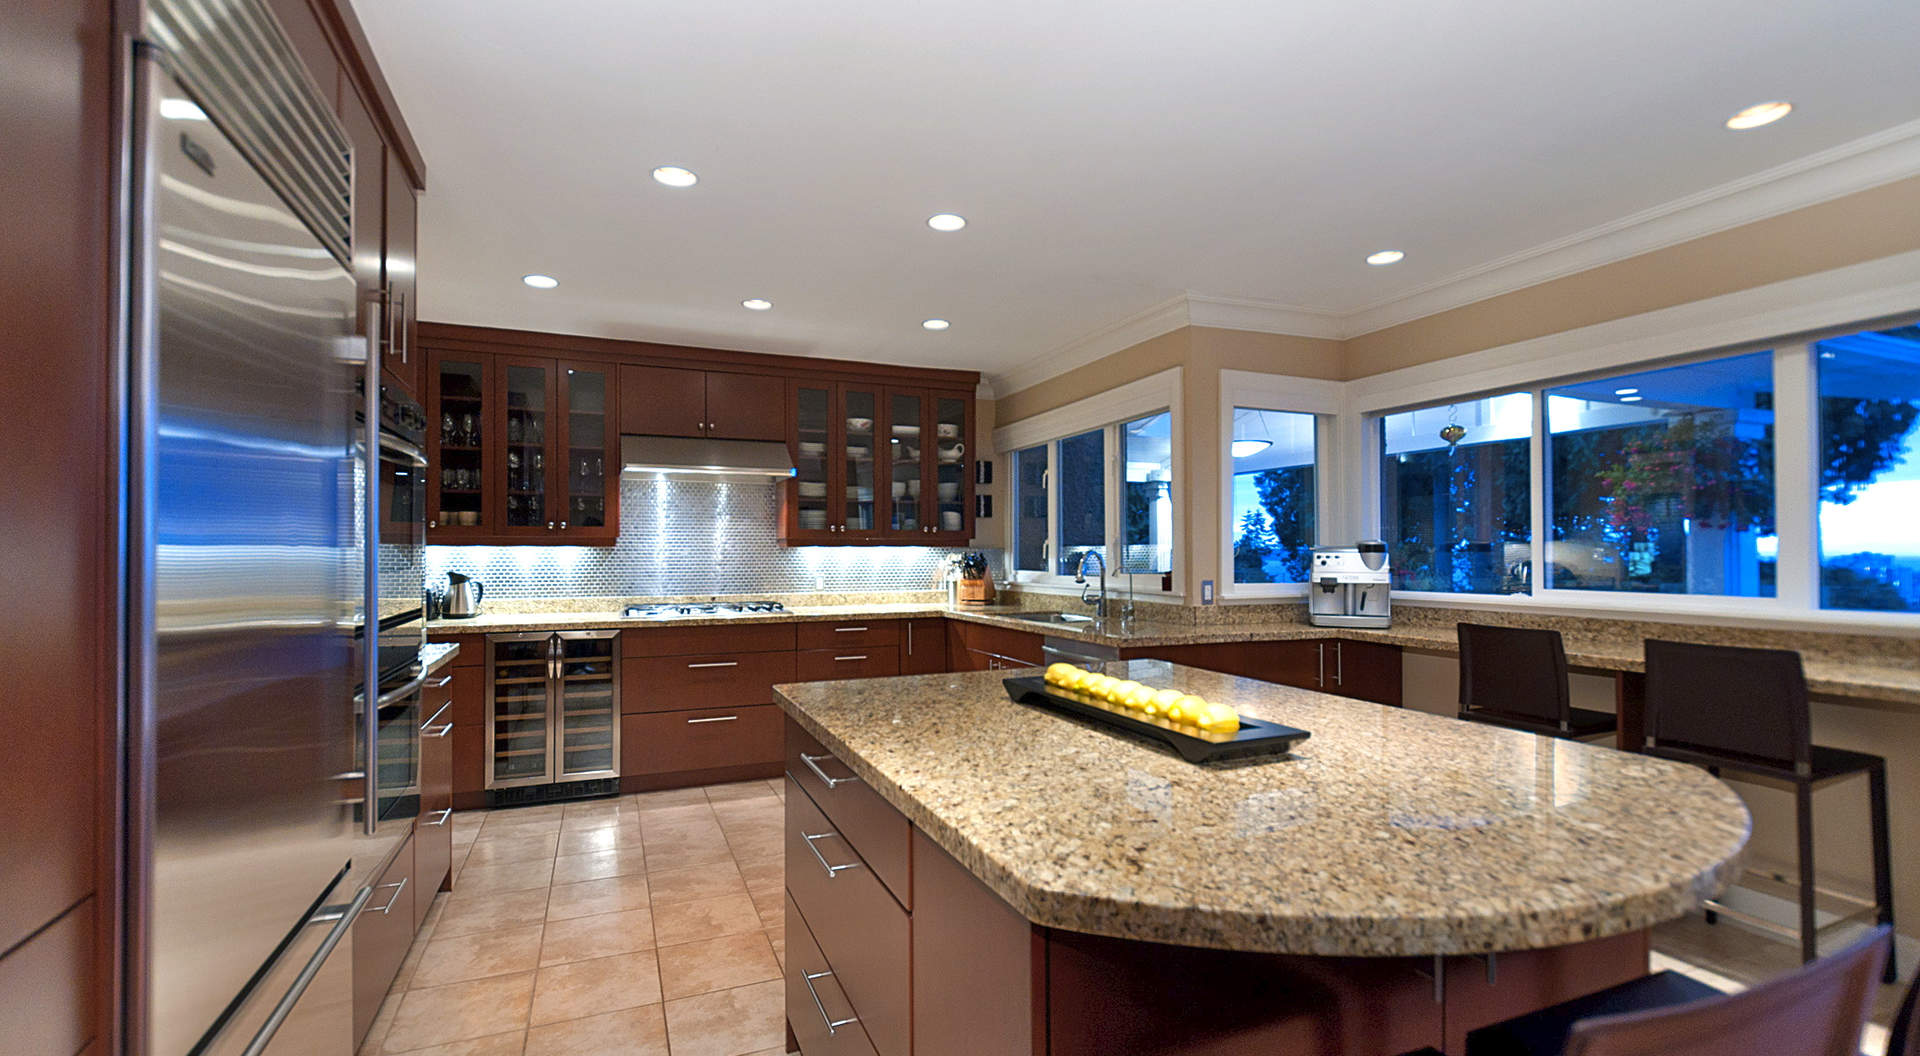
(397, 888)
(833, 1025)
(437, 731)
(716, 663)
(442, 682)
(832, 870)
(813, 764)
(847, 630)
(435, 720)
(444, 816)
(717, 718)
(849, 658)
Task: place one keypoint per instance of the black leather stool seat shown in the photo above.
(1544, 1033)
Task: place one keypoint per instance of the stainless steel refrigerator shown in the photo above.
(247, 551)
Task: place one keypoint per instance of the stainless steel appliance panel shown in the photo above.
(243, 620)
(401, 498)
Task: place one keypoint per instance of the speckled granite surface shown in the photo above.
(1864, 667)
(1389, 833)
(437, 655)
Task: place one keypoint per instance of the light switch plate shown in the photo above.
(1206, 592)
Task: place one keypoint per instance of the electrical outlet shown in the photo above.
(1206, 592)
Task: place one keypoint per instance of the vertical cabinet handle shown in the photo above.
(391, 902)
(1320, 650)
(1339, 663)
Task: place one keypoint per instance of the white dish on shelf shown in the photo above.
(950, 521)
(813, 519)
(906, 430)
(812, 448)
(948, 431)
(859, 425)
(858, 453)
(949, 491)
(913, 488)
(899, 489)
(813, 489)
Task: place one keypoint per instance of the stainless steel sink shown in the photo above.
(1070, 619)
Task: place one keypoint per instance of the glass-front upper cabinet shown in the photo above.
(907, 462)
(588, 454)
(951, 474)
(812, 516)
(860, 411)
(527, 399)
(459, 429)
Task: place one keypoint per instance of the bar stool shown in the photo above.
(1745, 710)
(1818, 1010)
(1904, 1038)
(1517, 678)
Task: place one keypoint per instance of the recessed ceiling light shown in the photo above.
(946, 221)
(758, 304)
(1631, 399)
(1759, 114)
(1244, 448)
(181, 110)
(1625, 392)
(540, 282)
(1385, 257)
(936, 324)
(675, 176)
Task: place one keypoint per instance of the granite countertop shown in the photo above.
(1891, 681)
(1389, 833)
(437, 655)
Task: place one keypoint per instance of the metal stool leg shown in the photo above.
(1803, 820)
(1713, 917)
(1882, 857)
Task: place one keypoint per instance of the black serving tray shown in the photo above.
(1255, 737)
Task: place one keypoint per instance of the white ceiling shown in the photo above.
(1107, 153)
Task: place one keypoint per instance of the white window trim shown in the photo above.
(1787, 317)
(1325, 400)
(1153, 394)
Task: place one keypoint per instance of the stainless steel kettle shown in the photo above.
(463, 596)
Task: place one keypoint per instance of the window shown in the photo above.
(1456, 496)
(1146, 455)
(1031, 509)
(1662, 481)
(1869, 465)
(1273, 498)
(1083, 499)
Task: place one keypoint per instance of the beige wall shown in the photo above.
(1859, 227)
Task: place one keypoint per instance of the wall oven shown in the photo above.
(401, 498)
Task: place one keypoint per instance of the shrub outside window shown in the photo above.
(1456, 495)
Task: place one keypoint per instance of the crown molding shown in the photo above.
(1162, 318)
(1861, 164)
(1858, 165)
(1264, 317)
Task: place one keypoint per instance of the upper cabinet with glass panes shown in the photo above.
(879, 465)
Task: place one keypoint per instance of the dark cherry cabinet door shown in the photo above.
(521, 478)
(664, 401)
(398, 266)
(746, 406)
(923, 646)
(585, 456)
(949, 460)
(813, 513)
(461, 453)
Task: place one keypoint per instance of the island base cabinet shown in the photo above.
(1482, 992)
(821, 1020)
(971, 951)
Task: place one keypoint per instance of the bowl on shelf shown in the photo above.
(913, 488)
(859, 452)
(813, 489)
(947, 431)
(859, 425)
(906, 430)
(950, 521)
(812, 449)
(899, 489)
(949, 491)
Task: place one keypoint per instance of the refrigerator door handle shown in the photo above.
(342, 924)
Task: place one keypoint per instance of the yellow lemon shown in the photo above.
(1120, 691)
(1162, 700)
(1074, 679)
(1058, 674)
(1218, 718)
(1140, 698)
(1187, 709)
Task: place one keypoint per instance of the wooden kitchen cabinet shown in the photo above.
(433, 827)
(401, 358)
(718, 405)
(923, 650)
(48, 983)
(873, 466)
(979, 647)
(671, 749)
(1364, 670)
(522, 449)
(381, 938)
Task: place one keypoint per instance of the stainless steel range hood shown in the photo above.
(696, 458)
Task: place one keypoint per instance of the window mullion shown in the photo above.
(1541, 531)
(1797, 484)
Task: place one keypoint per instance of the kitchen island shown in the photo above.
(966, 874)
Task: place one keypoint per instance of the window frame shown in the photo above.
(1277, 392)
(1797, 596)
(1107, 412)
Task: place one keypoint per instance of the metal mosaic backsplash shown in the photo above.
(683, 537)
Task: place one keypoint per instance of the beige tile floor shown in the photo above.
(652, 924)
(642, 925)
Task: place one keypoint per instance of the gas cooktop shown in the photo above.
(726, 608)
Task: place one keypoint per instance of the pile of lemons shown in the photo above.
(1172, 705)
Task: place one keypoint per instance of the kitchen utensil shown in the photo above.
(463, 595)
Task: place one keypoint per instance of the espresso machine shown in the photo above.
(1348, 586)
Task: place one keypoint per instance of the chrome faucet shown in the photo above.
(1080, 576)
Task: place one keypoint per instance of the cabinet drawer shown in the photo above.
(380, 939)
(824, 665)
(823, 1020)
(693, 641)
(667, 742)
(48, 981)
(879, 833)
(844, 633)
(432, 859)
(436, 762)
(675, 683)
(861, 931)
(473, 648)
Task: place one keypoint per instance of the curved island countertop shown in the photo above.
(1389, 833)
